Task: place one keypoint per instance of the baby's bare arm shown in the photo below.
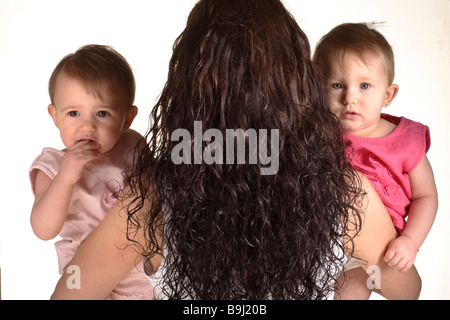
(52, 197)
(50, 206)
(402, 251)
(424, 203)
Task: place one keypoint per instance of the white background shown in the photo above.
(36, 34)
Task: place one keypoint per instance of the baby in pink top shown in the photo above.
(358, 64)
(92, 95)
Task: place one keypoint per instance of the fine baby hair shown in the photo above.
(100, 68)
(361, 39)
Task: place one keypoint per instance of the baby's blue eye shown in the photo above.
(336, 86)
(364, 86)
(102, 114)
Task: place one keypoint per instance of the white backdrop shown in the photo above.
(36, 34)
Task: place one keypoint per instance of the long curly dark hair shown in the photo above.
(229, 231)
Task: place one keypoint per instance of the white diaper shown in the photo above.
(352, 263)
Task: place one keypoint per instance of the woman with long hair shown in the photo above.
(229, 228)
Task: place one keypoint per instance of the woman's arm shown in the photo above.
(103, 259)
(370, 245)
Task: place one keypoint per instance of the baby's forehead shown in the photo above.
(104, 89)
(352, 56)
(366, 58)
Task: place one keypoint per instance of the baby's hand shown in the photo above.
(76, 158)
(401, 253)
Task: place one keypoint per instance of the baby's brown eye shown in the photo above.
(102, 114)
(73, 113)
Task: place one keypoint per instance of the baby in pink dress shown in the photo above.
(390, 151)
(92, 95)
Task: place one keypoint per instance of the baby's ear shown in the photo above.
(131, 114)
(391, 92)
(52, 112)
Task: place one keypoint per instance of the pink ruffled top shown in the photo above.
(387, 162)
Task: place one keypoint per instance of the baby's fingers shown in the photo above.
(73, 163)
(78, 155)
(84, 145)
(392, 258)
(389, 255)
(404, 266)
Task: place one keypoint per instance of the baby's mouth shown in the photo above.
(350, 115)
(88, 140)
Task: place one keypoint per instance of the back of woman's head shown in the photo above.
(231, 232)
(239, 62)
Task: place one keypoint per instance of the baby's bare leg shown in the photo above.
(352, 285)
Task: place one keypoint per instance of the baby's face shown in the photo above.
(357, 92)
(79, 115)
